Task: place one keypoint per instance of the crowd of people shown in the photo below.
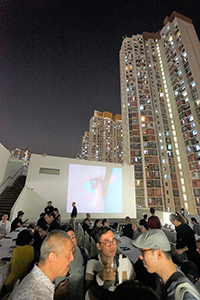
(50, 264)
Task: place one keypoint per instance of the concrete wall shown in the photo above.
(41, 188)
(10, 168)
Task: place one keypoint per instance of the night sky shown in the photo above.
(59, 62)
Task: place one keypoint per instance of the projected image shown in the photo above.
(95, 189)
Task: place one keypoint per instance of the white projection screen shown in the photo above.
(102, 189)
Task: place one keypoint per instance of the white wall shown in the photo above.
(8, 168)
(41, 188)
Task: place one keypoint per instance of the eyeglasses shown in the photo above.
(107, 243)
(143, 251)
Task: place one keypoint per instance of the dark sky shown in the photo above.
(59, 62)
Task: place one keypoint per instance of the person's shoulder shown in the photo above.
(94, 258)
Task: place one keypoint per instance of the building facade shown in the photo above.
(104, 140)
(160, 112)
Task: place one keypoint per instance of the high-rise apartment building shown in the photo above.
(104, 140)
(160, 86)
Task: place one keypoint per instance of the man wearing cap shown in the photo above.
(17, 222)
(156, 256)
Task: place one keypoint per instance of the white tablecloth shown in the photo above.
(126, 247)
(4, 270)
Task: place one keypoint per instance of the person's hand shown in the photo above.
(107, 273)
(180, 251)
(62, 289)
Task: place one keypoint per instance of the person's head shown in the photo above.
(155, 249)
(49, 217)
(88, 216)
(129, 288)
(4, 217)
(23, 238)
(145, 216)
(190, 270)
(127, 220)
(198, 246)
(56, 254)
(152, 210)
(176, 219)
(193, 221)
(97, 223)
(143, 225)
(31, 228)
(134, 227)
(42, 215)
(49, 203)
(20, 214)
(72, 235)
(73, 204)
(105, 222)
(55, 210)
(42, 230)
(106, 242)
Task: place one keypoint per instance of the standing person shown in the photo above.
(185, 241)
(196, 226)
(76, 276)
(55, 257)
(156, 256)
(17, 222)
(73, 215)
(5, 225)
(153, 221)
(50, 219)
(101, 270)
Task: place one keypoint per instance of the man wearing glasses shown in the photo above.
(156, 256)
(102, 270)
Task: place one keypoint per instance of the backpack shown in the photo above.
(184, 287)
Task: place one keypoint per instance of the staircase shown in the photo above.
(10, 194)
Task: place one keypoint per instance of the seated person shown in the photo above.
(87, 223)
(57, 215)
(42, 231)
(50, 219)
(21, 259)
(41, 219)
(127, 229)
(101, 269)
(196, 226)
(143, 225)
(49, 207)
(136, 231)
(105, 223)
(5, 225)
(95, 229)
(17, 222)
(75, 277)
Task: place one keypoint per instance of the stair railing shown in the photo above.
(11, 177)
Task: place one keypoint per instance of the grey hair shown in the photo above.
(53, 243)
